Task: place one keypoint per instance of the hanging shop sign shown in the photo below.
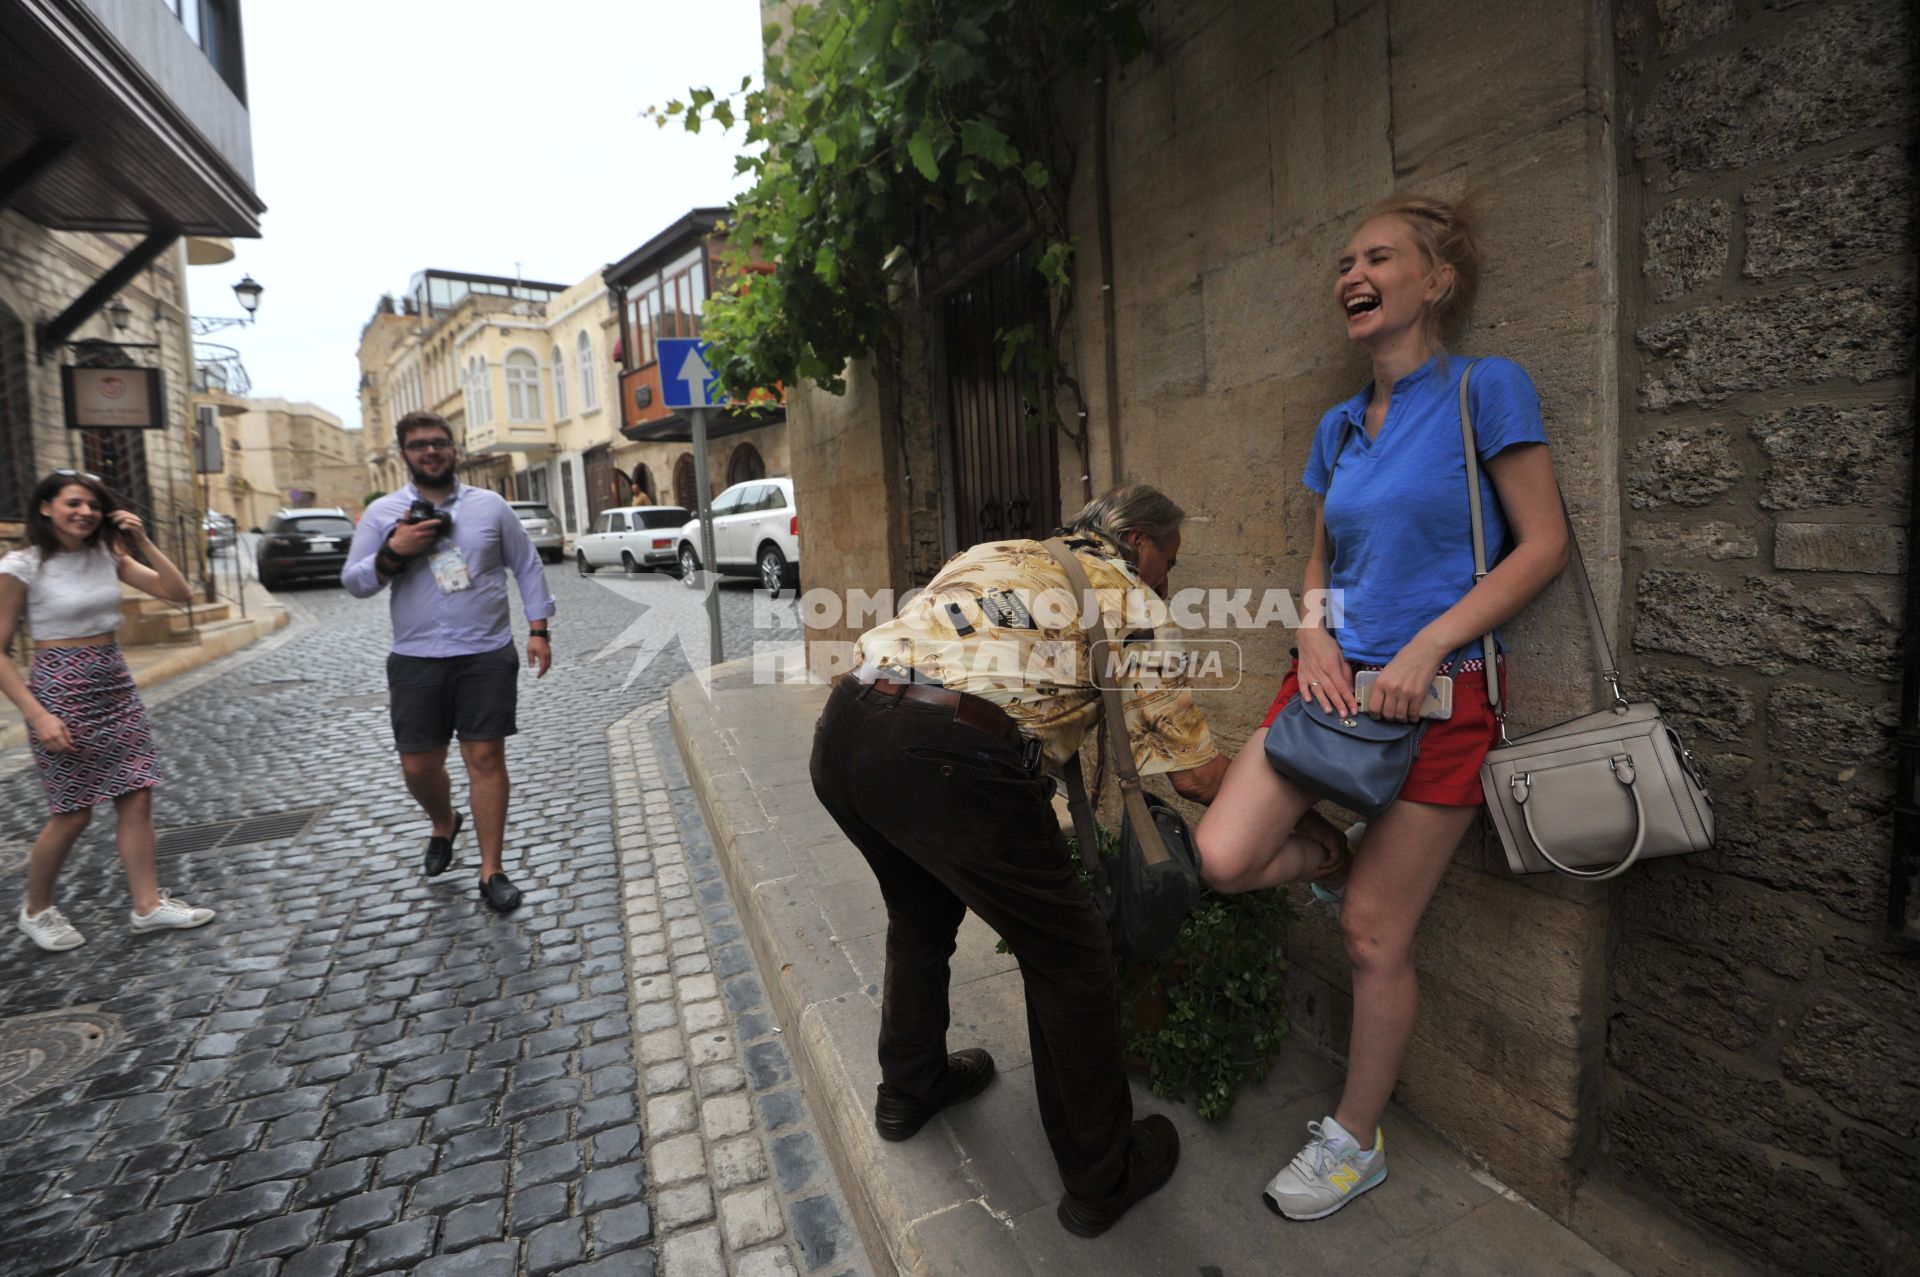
(113, 398)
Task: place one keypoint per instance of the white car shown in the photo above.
(756, 533)
(543, 528)
(633, 538)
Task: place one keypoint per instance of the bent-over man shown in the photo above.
(932, 757)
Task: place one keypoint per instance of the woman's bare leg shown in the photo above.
(1406, 855)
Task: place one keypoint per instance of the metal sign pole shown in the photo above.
(705, 512)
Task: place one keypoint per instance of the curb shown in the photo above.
(918, 1206)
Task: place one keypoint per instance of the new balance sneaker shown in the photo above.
(1335, 895)
(50, 929)
(170, 915)
(1328, 1173)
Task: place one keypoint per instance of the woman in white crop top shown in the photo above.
(91, 739)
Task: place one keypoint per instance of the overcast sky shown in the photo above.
(462, 134)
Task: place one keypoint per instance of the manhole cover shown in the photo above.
(285, 826)
(44, 1050)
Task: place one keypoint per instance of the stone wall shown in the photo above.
(1764, 1045)
(41, 273)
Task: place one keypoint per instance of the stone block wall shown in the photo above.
(41, 273)
(1764, 1041)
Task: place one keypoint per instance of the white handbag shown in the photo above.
(1591, 796)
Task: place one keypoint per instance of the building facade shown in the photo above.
(661, 290)
(1699, 225)
(110, 185)
(277, 454)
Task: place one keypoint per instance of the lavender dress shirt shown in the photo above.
(477, 619)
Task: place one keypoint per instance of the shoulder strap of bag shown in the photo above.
(1601, 647)
(1114, 715)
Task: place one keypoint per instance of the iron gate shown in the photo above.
(1005, 473)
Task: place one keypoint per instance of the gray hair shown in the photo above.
(1128, 508)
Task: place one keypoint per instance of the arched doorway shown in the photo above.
(685, 491)
(745, 465)
(643, 485)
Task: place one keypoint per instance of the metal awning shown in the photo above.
(90, 141)
(678, 429)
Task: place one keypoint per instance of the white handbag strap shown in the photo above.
(1602, 648)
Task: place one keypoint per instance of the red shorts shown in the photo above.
(1447, 771)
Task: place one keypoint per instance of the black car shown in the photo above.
(304, 545)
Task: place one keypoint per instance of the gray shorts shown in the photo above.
(434, 697)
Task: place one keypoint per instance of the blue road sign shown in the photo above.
(686, 380)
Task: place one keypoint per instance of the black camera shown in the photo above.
(422, 509)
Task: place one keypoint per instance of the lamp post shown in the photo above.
(247, 293)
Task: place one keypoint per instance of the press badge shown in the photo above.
(450, 570)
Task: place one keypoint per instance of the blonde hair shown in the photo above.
(1446, 236)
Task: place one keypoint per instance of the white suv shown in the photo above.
(756, 532)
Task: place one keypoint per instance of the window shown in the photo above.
(616, 522)
(589, 392)
(16, 438)
(567, 499)
(523, 386)
(559, 385)
(667, 516)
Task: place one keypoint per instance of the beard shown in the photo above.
(421, 479)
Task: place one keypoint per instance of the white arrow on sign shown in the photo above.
(695, 374)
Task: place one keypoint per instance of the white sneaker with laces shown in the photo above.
(50, 930)
(1327, 1174)
(170, 914)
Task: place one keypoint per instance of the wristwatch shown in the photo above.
(539, 633)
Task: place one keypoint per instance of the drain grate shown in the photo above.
(287, 826)
(43, 1050)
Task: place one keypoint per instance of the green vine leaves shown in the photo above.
(881, 129)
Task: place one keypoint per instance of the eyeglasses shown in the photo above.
(77, 474)
(429, 445)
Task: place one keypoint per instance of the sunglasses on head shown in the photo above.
(78, 474)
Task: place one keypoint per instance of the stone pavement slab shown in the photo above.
(975, 1192)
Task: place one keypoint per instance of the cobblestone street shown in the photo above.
(357, 1070)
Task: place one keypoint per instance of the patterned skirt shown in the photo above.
(91, 690)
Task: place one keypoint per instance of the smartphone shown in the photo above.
(1439, 696)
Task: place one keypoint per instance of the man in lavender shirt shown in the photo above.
(453, 668)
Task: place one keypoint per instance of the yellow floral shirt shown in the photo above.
(1000, 622)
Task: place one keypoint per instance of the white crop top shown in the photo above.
(71, 595)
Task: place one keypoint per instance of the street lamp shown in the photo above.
(120, 313)
(247, 293)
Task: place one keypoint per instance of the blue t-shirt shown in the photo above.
(1399, 528)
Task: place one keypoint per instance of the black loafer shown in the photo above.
(501, 896)
(440, 850)
(1153, 1151)
(968, 1073)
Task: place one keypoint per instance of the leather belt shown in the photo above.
(981, 715)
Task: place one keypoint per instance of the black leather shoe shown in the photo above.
(501, 896)
(1153, 1152)
(968, 1073)
(440, 850)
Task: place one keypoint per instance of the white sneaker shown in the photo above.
(1327, 1174)
(50, 929)
(1334, 897)
(171, 914)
